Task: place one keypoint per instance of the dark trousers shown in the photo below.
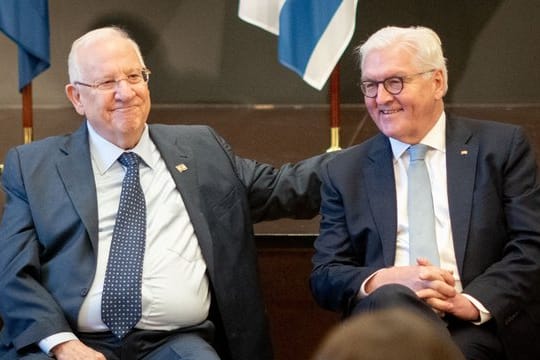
(478, 342)
(193, 343)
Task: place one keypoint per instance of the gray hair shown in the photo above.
(104, 32)
(421, 42)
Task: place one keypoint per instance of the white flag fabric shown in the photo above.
(313, 34)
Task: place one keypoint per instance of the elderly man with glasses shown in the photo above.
(128, 240)
(436, 213)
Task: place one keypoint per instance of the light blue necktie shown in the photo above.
(121, 306)
(422, 240)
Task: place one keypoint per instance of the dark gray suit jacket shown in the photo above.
(49, 232)
(494, 202)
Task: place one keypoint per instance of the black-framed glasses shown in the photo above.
(135, 78)
(393, 84)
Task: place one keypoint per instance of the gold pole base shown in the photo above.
(27, 135)
(334, 140)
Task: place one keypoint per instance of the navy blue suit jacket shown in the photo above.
(494, 203)
(49, 232)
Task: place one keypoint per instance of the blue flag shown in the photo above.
(313, 34)
(26, 22)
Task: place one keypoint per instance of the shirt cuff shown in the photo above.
(48, 343)
(362, 292)
(485, 315)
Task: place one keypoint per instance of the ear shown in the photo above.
(439, 84)
(73, 94)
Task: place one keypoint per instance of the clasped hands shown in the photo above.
(434, 285)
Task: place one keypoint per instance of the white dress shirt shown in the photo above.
(436, 166)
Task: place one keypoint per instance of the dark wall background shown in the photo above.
(201, 52)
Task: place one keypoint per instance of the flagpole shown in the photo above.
(26, 117)
(334, 110)
(27, 113)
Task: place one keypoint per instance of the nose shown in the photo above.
(123, 90)
(383, 96)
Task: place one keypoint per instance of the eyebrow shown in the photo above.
(124, 72)
(398, 74)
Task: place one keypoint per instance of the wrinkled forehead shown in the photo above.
(107, 56)
(382, 63)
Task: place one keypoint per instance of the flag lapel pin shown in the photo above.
(181, 167)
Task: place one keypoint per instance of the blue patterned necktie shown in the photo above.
(121, 306)
(422, 240)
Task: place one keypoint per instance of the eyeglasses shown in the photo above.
(132, 79)
(393, 84)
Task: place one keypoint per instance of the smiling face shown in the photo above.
(410, 115)
(119, 115)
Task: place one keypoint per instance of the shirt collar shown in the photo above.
(104, 153)
(435, 138)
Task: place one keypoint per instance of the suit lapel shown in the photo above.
(461, 159)
(75, 168)
(178, 157)
(379, 175)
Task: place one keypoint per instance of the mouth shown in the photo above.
(125, 108)
(389, 111)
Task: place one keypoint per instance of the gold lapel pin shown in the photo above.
(181, 167)
(464, 152)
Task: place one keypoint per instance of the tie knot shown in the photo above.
(418, 151)
(129, 159)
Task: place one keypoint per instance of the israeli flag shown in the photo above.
(313, 34)
(26, 22)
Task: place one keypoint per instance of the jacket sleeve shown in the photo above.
(338, 265)
(28, 310)
(510, 284)
(292, 191)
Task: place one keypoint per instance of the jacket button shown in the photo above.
(84, 292)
